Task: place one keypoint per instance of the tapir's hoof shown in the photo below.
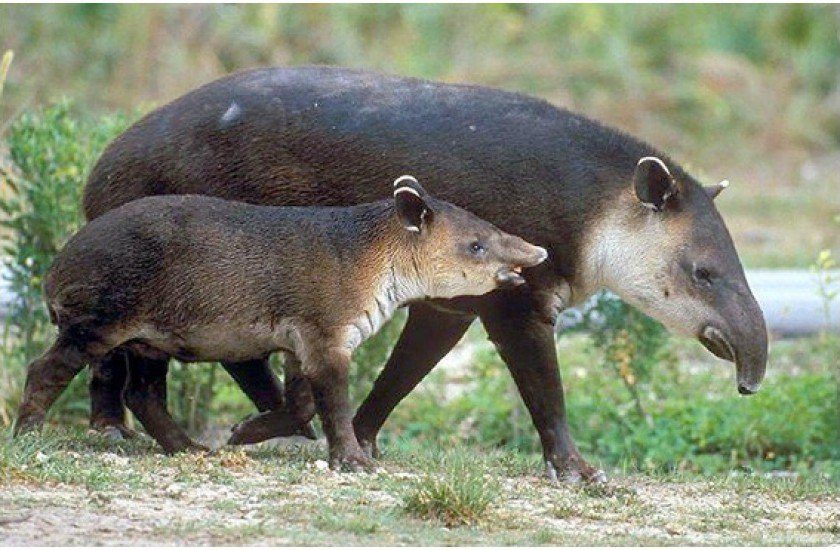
(268, 425)
(352, 462)
(115, 432)
(28, 423)
(190, 447)
(370, 448)
(575, 471)
(308, 431)
(197, 449)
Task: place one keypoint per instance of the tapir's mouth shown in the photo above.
(714, 340)
(510, 276)
(749, 377)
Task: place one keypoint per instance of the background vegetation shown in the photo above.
(751, 93)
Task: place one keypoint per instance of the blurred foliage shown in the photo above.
(48, 154)
(702, 70)
(5, 63)
(747, 92)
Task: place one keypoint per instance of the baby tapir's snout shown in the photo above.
(462, 254)
(518, 254)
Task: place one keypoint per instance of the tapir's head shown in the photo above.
(663, 247)
(454, 252)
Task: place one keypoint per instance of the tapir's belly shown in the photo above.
(228, 342)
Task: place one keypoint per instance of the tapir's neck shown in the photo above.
(392, 280)
(592, 183)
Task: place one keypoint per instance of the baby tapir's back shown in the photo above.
(190, 265)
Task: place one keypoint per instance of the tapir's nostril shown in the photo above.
(744, 390)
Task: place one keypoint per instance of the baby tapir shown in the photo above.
(205, 279)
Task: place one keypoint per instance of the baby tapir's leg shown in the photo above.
(327, 372)
(292, 419)
(300, 402)
(145, 395)
(108, 379)
(264, 426)
(46, 378)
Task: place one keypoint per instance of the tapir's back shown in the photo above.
(318, 135)
(210, 257)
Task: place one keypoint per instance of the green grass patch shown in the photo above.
(458, 493)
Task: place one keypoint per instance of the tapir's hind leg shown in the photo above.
(46, 378)
(264, 426)
(145, 395)
(108, 379)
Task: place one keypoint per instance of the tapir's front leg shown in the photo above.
(524, 338)
(428, 335)
(327, 372)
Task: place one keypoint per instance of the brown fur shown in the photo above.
(204, 279)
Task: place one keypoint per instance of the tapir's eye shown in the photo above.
(477, 249)
(703, 276)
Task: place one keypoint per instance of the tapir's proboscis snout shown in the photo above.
(742, 339)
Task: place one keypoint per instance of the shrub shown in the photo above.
(49, 153)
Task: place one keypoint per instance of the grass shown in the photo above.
(457, 496)
(128, 493)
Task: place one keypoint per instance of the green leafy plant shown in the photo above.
(49, 153)
(828, 282)
(633, 346)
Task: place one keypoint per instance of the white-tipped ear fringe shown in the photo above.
(657, 160)
(406, 177)
(406, 189)
(723, 184)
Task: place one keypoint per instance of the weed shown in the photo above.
(458, 495)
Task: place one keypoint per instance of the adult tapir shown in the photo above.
(612, 211)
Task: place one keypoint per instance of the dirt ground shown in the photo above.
(72, 497)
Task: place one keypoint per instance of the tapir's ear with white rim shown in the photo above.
(714, 190)
(653, 183)
(411, 202)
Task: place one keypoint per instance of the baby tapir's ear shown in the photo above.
(653, 183)
(411, 202)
